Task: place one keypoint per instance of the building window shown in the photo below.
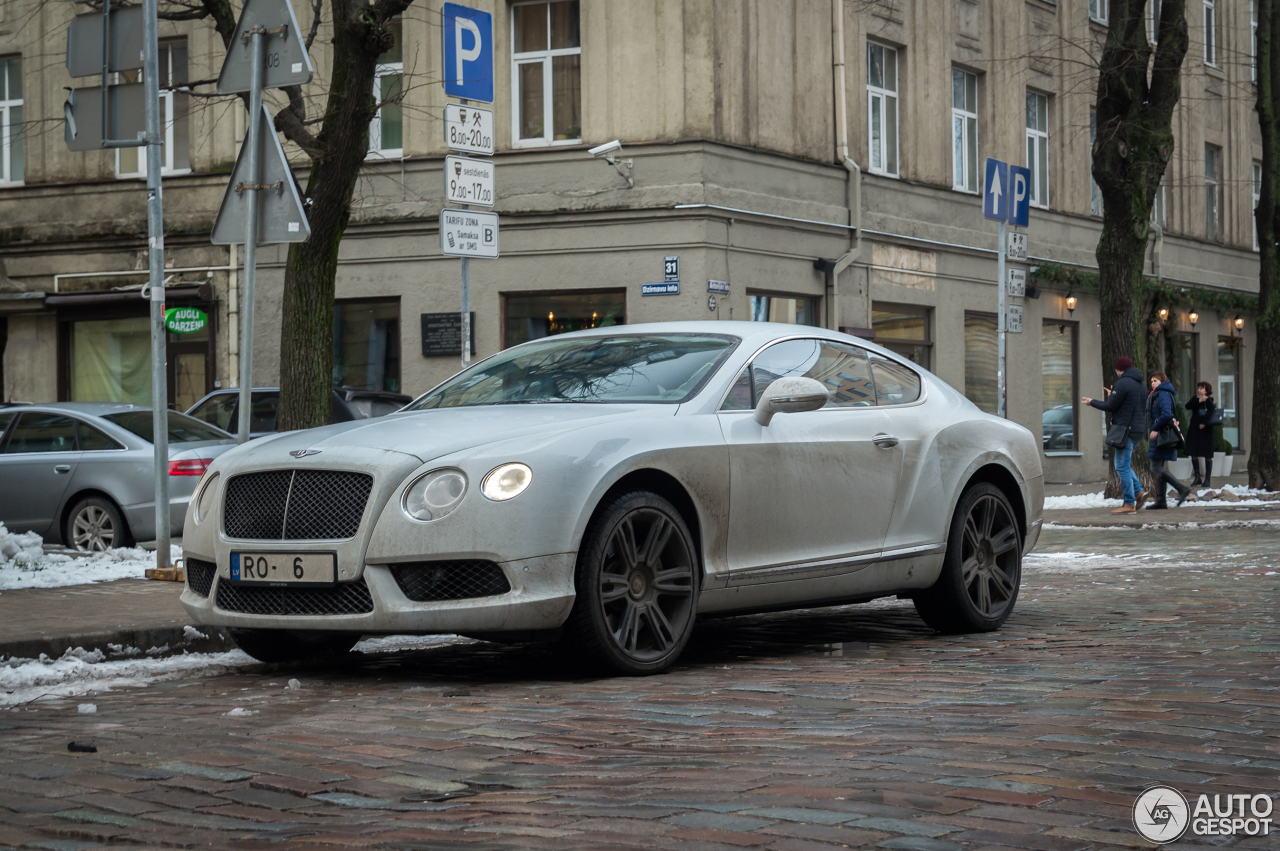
(1229, 388)
(175, 157)
(546, 73)
(532, 316)
(1038, 147)
(1095, 194)
(793, 310)
(1212, 192)
(1186, 367)
(386, 131)
(964, 130)
(1210, 32)
(111, 360)
(882, 108)
(903, 329)
(11, 165)
(1059, 386)
(1257, 196)
(981, 357)
(1253, 40)
(1153, 21)
(1158, 214)
(366, 344)
(1098, 11)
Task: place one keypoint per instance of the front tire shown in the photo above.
(282, 645)
(982, 570)
(637, 585)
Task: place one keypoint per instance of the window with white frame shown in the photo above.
(386, 130)
(1153, 21)
(882, 109)
(1095, 193)
(1098, 11)
(1212, 192)
(1210, 32)
(964, 130)
(11, 137)
(1257, 196)
(1038, 147)
(1253, 40)
(175, 156)
(546, 73)
(1158, 214)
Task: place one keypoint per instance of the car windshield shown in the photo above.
(182, 428)
(623, 369)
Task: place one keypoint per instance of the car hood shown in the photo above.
(432, 433)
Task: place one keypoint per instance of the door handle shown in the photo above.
(884, 441)
(62, 468)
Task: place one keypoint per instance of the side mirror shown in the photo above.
(790, 396)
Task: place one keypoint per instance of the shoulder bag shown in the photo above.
(1170, 437)
(1118, 435)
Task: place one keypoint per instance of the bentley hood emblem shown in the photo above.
(303, 453)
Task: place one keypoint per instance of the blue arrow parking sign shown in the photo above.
(468, 53)
(995, 190)
(1020, 196)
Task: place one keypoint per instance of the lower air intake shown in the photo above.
(427, 581)
(199, 575)
(347, 598)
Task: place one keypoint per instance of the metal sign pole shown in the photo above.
(1001, 374)
(155, 241)
(466, 297)
(251, 233)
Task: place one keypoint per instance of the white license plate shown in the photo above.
(284, 568)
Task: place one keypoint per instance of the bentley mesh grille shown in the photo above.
(295, 505)
(426, 581)
(200, 575)
(347, 598)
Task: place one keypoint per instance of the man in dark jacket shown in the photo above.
(1126, 404)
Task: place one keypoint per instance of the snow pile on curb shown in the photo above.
(25, 564)
(1245, 496)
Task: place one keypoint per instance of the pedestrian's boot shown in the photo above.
(1195, 468)
(1124, 509)
(1185, 494)
(1140, 500)
(1208, 471)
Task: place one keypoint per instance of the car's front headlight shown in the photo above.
(506, 482)
(204, 497)
(435, 494)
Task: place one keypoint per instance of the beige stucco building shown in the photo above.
(733, 115)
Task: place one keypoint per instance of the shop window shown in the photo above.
(532, 316)
(11, 135)
(366, 345)
(791, 310)
(1038, 147)
(903, 329)
(386, 131)
(546, 73)
(964, 130)
(882, 108)
(981, 361)
(111, 360)
(1186, 366)
(1229, 388)
(1058, 395)
(175, 107)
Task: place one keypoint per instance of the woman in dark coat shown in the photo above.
(1200, 432)
(1160, 419)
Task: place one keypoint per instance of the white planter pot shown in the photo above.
(1221, 464)
(1181, 469)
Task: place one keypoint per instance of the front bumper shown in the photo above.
(540, 598)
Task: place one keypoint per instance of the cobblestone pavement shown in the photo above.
(849, 727)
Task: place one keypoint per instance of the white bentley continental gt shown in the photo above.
(605, 487)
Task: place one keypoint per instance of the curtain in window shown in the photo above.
(111, 361)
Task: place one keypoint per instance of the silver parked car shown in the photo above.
(606, 486)
(83, 472)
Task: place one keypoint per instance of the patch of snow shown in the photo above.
(190, 633)
(293, 684)
(1246, 497)
(241, 712)
(399, 643)
(87, 708)
(25, 564)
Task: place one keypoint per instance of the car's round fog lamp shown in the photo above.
(506, 482)
(435, 495)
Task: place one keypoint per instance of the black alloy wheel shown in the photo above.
(637, 586)
(283, 645)
(982, 570)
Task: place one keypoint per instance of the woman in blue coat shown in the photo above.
(1160, 420)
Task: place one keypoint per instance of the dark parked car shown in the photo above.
(221, 407)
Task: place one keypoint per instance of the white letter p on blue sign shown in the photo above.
(468, 53)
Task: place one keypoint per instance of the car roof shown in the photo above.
(753, 334)
(89, 409)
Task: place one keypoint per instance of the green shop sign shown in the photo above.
(185, 320)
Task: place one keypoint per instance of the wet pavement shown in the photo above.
(1134, 657)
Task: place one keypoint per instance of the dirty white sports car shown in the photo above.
(603, 488)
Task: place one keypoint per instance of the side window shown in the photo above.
(781, 360)
(843, 370)
(895, 383)
(262, 416)
(92, 440)
(36, 432)
(739, 398)
(218, 411)
(5, 419)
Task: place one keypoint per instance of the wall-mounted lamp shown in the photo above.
(1071, 304)
(1193, 318)
(1164, 314)
(1239, 323)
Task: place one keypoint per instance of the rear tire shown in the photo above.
(637, 586)
(982, 570)
(94, 525)
(282, 645)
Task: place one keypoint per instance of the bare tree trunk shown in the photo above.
(1264, 452)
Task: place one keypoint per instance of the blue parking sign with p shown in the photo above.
(1019, 196)
(468, 53)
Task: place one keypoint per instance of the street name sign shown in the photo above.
(286, 62)
(664, 288)
(468, 181)
(1018, 283)
(280, 214)
(1019, 196)
(1018, 247)
(468, 53)
(127, 108)
(721, 287)
(995, 190)
(469, 233)
(84, 42)
(1014, 319)
(469, 129)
